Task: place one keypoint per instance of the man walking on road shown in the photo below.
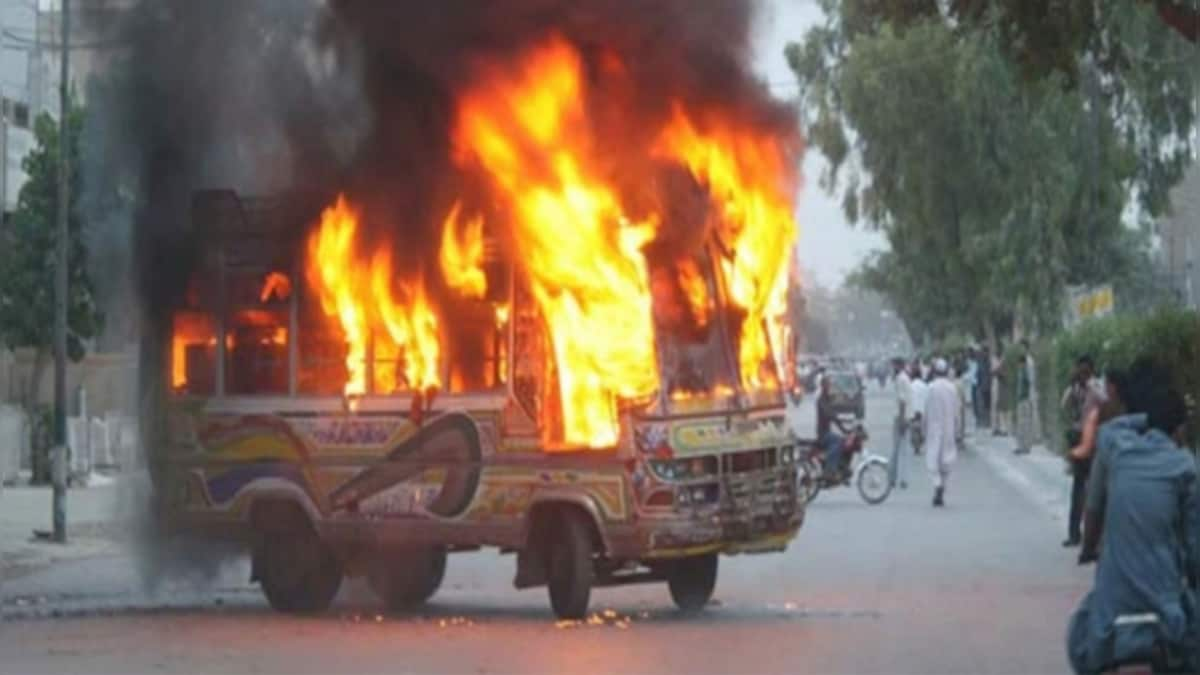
(983, 389)
(942, 409)
(903, 391)
(918, 389)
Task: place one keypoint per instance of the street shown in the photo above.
(331, 294)
(981, 586)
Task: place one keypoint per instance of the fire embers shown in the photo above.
(583, 195)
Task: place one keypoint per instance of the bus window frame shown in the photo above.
(221, 309)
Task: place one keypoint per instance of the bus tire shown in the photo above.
(408, 578)
(692, 581)
(298, 572)
(569, 566)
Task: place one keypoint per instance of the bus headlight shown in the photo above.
(787, 455)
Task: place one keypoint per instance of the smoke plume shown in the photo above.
(358, 96)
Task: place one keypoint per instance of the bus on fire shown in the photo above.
(304, 417)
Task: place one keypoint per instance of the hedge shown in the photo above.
(1170, 337)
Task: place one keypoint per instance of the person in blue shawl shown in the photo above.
(1143, 496)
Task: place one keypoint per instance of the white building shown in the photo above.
(30, 67)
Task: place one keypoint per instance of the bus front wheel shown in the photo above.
(692, 581)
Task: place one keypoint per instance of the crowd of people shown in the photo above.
(1135, 497)
(932, 399)
(990, 393)
(1135, 501)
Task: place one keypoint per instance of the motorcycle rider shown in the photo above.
(828, 440)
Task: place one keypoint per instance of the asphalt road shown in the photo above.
(979, 587)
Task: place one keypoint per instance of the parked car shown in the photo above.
(847, 390)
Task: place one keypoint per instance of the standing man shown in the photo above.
(999, 394)
(918, 389)
(983, 384)
(941, 424)
(1026, 431)
(903, 391)
(971, 378)
(1083, 397)
(964, 401)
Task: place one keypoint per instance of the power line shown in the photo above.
(35, 43)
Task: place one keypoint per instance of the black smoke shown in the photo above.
(261, 96)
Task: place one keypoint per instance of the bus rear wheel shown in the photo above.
(569, 566)
(692, 581)
(298, 572)
(408, 578)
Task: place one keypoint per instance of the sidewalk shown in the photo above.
(93, 525)
(1040, 476)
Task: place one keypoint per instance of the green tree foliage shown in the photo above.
(987, 182)
(1143, 53)
(1169, 337)
(28, 256)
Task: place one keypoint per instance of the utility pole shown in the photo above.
(59, 461)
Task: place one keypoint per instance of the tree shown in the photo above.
(980, 176)
(1143, 55)
(28, 258)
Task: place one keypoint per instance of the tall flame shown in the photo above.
(361, 295)
(748, 178)
(582, 253)
(528, 128)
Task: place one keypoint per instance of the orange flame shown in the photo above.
(581, 252)
(278, 285)
(189, 329)
(576, 244)
(360, 294)
(695, 289)
(461, 254)
(749, 179)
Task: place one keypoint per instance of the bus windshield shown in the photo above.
(695, 357)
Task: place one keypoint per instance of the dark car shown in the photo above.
(847, 391)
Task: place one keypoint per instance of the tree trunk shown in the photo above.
(989, 334)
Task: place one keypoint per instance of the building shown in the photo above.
(30, 49)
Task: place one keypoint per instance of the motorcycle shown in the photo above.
(1144, 646)
(867, 471)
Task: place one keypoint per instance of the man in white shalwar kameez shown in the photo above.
(942, 410)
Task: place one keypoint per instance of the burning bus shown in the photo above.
(582, 367)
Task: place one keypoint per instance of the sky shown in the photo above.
(829, 247)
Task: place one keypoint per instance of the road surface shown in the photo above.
(981, 587)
